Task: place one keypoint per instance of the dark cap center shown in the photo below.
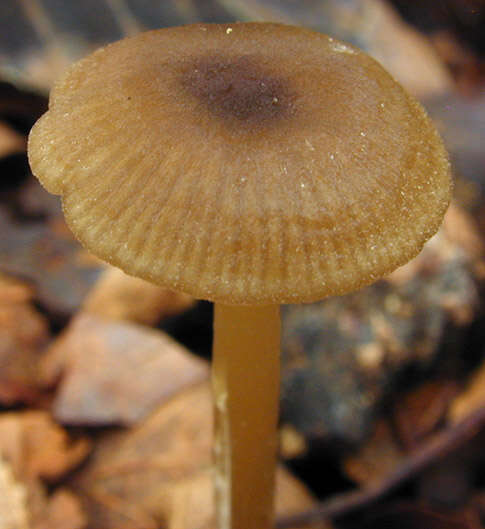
(238, 88)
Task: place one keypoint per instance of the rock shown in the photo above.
(115, 372)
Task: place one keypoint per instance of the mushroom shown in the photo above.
(250, 164)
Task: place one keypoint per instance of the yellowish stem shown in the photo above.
(246, 391)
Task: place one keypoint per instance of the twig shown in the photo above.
(429, 452)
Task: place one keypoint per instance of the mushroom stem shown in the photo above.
(246, 378)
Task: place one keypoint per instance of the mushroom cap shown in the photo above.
(247, 163)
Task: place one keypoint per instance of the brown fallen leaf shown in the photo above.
(13, 499)
(471, 399)
(35, 203)
(116, 372)
(159, 473)
(461, 229)
(62, 511)
(191, 505)
(119, 296)
(14, 291)
(466, 66)
(36, 447)
(23, 335)
(376, 459)
(292, 443)
(35, 450)
(11, 142)
(24, 504)
(416, 416)
(404, 51)
(46, 255)
(418, 413)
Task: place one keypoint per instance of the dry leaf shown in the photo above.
(376, 459)
(405, 52)
(37, 447)
(23, 335)
(46, 254)
(25, 504)
(464, 63)
(119, 296)
(461, 229)
(292, 442)
(192, 501)
(13, 496)
(63, 511)
(471, 399)
(10, 141)
(418, 413)
(116, 372)
(160, 472)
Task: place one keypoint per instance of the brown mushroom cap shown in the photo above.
(246, 163)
